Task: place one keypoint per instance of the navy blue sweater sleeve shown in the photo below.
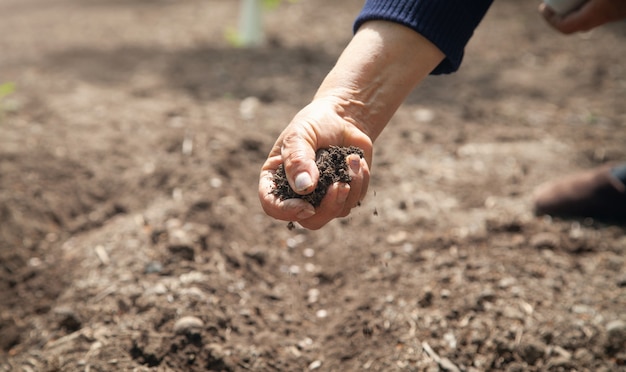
(449, 24)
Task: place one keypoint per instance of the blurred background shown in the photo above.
(131, 237)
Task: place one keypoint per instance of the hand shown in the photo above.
(322, 123)
(591, 14)
(382, 63)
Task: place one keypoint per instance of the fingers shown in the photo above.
(341, 197)
(590, 15)
(557, 21)
(296, 149)
(332, 206)
(338, 202)
(554, 19)
(286, 210)
(359, 174)
(548, 13)
(293, 149)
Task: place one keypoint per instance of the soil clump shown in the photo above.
(332, 167)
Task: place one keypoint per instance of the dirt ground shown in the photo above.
(132, 239)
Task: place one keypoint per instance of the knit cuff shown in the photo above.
(447, 24)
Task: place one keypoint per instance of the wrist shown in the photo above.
(379, 68)
(347, 104)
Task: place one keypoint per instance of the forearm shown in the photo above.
(376, 72)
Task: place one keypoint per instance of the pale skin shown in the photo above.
(381, 65)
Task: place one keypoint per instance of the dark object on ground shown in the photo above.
(595, 193)
(333, 168)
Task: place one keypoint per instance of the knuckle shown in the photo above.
(295, 159)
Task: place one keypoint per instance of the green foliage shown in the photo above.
(6, 89)
(232, 37)
(592, 118)
(273, 4)
(250, 30)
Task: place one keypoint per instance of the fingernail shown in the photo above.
(306, 212)
(355, 165)
(303, 181)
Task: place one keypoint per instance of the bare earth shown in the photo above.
(131, 237)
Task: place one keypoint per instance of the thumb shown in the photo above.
(298, 156)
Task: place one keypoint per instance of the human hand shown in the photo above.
(352, 106)
(591, 14)
(321, 124)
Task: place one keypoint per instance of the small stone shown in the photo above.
(450, 339)
(512, 313)
(424, 115)
(560, 363)
(249, 107)
(561, 352)
(397, 237)
(616, 335)
(583, 356)
(446, 364)
(427, 298)
(294, 351)
(621, 281)
(582, 309)
(217, 351)
(545, 240)
(516, 367)
(305, 343)
(153, 267)
(531, 351)
(185, 252)
(408, 248)
(315, 365)
(215, 182)
(192, 292)
(68, 319)
(486, 295)
(321, 313)
(193, 277)
(295, 241)
(157, 289)
(506, 282)
(313, 295)
(188, 325)
(308, 252)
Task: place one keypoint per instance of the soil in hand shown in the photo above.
(333, 168)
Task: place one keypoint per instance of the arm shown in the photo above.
(396, 44)
(376, 72)
(380, 66)
(591, 14)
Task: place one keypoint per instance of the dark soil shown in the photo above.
(132, 239)
(332, 166)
